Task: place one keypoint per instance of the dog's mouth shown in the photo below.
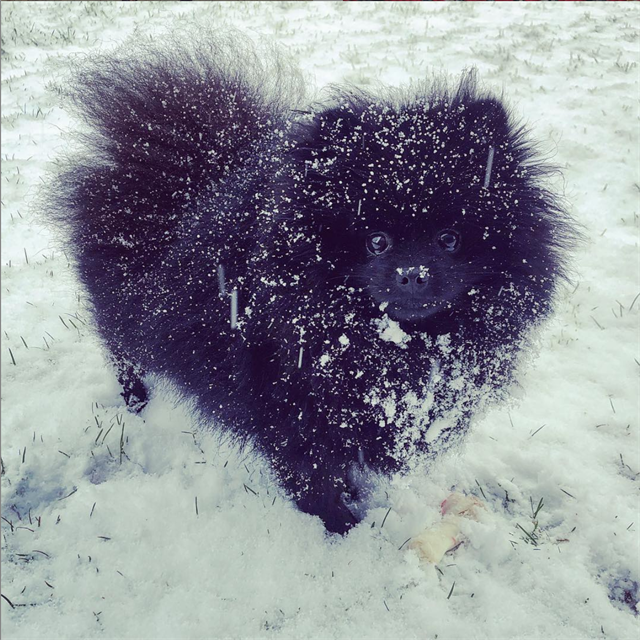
(415, 310)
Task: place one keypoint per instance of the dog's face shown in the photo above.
(416, 276)
(416, 205)
(413, 269)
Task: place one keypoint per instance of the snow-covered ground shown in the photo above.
(123, 526)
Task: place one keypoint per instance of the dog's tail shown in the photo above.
(165, 124)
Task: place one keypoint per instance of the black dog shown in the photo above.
(342, 287)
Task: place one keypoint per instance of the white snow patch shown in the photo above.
(389, 330)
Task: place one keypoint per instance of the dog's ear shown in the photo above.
(489, 117)
(324, 135)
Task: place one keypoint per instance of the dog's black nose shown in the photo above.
(412, 279)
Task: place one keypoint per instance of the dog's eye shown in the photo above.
(377, 243)
(449, 240)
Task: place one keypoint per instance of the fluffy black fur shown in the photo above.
(387, 254)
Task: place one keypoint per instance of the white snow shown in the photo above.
(390, 331)
(143, 527)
